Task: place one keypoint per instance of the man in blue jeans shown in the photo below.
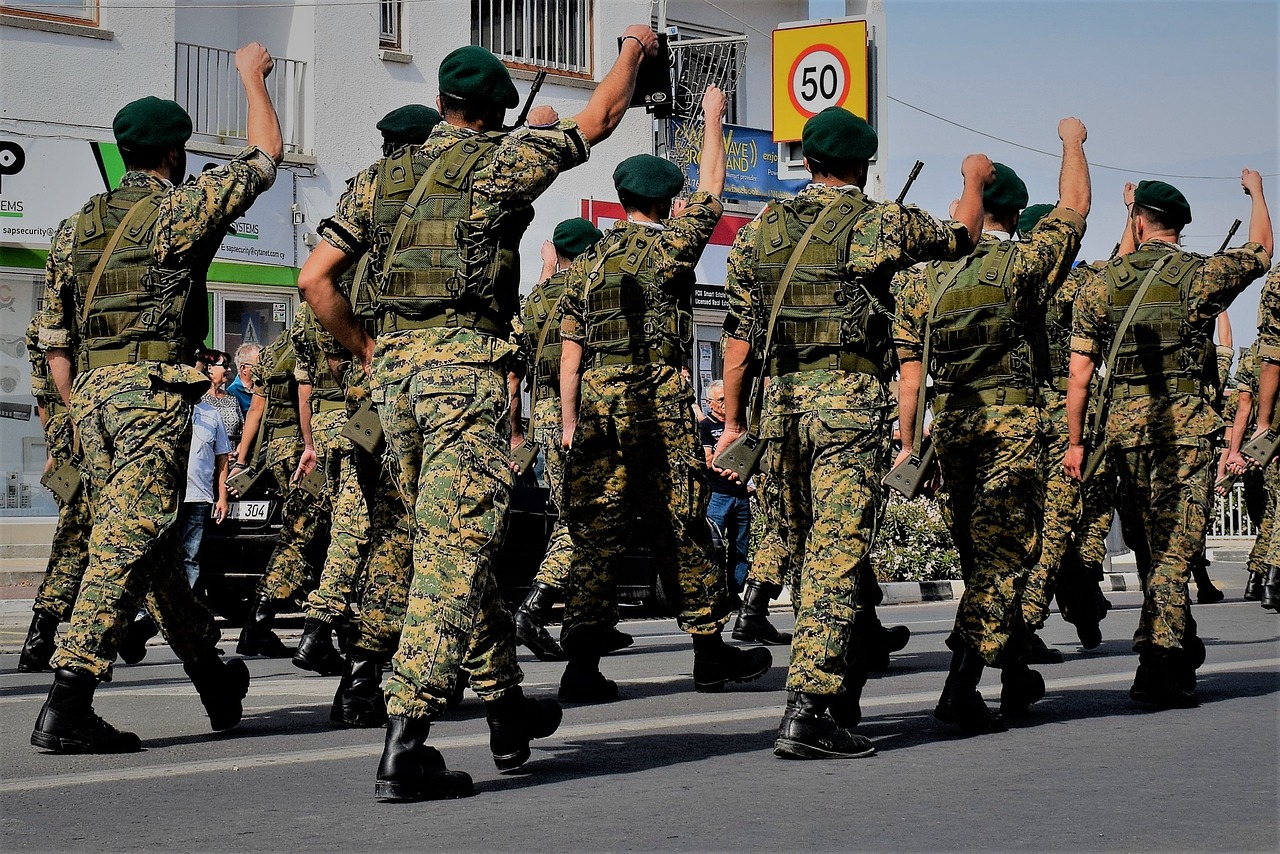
(730, 507)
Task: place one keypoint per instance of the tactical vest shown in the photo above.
(982, 354)
(631, 318)
(1161, 352)
(1055, 366)
(446, 269)
(323, 384)
(825, 320)
(136, 311)
(282, 386)
(540, 310)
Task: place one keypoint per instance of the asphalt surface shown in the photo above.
(669, 769)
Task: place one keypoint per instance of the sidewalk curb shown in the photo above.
(915, 592)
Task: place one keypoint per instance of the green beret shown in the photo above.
(648, 177)
(1006, 193)
(472, 73)
(837, 134)
(573, 236)
(411, 123)
(151, 123)
(1031, 216)
(1164, 199)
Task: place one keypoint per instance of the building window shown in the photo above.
(550, 34)
(389, 23)
(75, 11)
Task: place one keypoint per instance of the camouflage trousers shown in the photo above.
(349, 517)
(628, 465)
(1266, 547)
(1163, 496)
(446, 426)
(1076, 521)
(546, 429)
(69, 552)
(135, 445)
(370, 558)
(302, 519)
(822, 494)
(990, 458)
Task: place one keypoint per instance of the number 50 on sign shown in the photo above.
(815, 68)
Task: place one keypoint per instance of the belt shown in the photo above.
(285, 431)
(128, 354)
(854, 363)
(986, 397)
(1120, 390)
(446, 319)
(647, 357)
(324, 404)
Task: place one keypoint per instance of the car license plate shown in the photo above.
(249, 511)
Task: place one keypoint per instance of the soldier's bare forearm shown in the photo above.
(1268, 381)
(737, 356)
(59, 361)
(910, 375)
(1082, 367)
(318, 284)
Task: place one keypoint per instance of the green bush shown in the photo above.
(914, 544)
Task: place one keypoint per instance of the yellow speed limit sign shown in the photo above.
(814, 68)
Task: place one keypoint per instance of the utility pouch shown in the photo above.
(1225, 482)
(742, 457)
(63, 481)
(1262, 450)
(243, 481)
(364, 428)
(908, 476)
(523, 457)
(313, 483)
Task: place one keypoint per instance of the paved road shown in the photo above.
(669, 769)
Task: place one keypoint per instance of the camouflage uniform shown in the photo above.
(442, 396)
(635, 449)
(1161, 443)
(303, 516)
(989, 444)
(1269, 318)
(827, 431)
(69, 552)
(1266, 546)
(1076, 518)
(134, 422)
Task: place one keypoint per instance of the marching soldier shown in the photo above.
(827, 439)
(1265, 554)
(627, 420)
(443, 237)
(126, 300)
(978, 316)
(1160, 302)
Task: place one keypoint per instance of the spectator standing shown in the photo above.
(730, 507)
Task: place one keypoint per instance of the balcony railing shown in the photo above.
(207, 85)
(1229, 518)
(551, 34)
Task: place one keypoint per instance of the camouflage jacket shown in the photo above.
(1269, 318)
(885, 239)
(193, 220)
(1165, 419)
(626, 389)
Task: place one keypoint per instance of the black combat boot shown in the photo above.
(1252, 587)
(358, 701)
(1161, 680)
(1041, 653)
(845, 708)
(1206, 592)
(222, 687)
(459, 687)
(133, 648)
(515, 720)
(67, 723)
(315, 649)
(960, 703)
(1020, 686)
(875, 640)
(753, 623)
(807, 731)
(583, 682)
(412, 771)
(256, 638)
(1271, 590)
(38, 648)
(531, 622)
(715, 663)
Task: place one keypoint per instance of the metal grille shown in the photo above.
(1229, 517)
(552, 34)
(699, 63)
(207, 85)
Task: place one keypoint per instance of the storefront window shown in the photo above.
(242, 317)
(22, 448)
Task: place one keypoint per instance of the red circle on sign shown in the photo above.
(844, 64)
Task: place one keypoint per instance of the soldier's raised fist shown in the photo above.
(1251, 181)
(978, 167)
(645, 35)
(1072, 130)
(253, 59)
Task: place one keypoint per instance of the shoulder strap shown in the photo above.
(943, 285)
(134, 211)
(788, 272)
